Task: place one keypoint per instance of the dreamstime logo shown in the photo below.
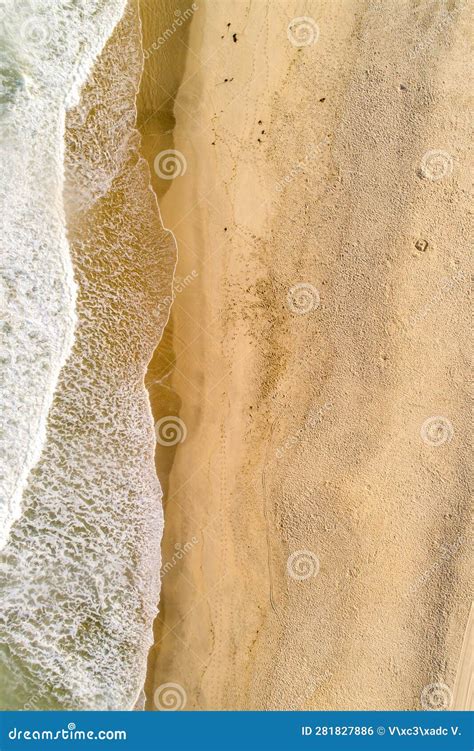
(34, 32)
(181, 17)
(436, 697)
(314, 418)
(302, 298)
(32, 703)
(302, 564)
(170, 697)
(178, 555)
(170, 430)
(300, 167)
(179, 285)
(436, 430)
(169, 164)
(303, 31)
(436, 164)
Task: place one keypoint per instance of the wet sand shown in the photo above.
(316, 516)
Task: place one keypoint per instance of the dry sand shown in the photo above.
(304, 411)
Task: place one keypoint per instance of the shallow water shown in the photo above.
(80, 571)
(47, 50)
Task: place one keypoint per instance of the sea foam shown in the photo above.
(80, 572)
(47, 50)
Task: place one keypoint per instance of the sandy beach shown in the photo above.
(316, 356)
(237, 455)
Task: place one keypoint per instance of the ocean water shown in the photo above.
(86, 265)
(46, 52)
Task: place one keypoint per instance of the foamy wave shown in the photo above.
(80, 573)
(48, 49)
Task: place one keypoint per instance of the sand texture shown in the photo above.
(317, 352)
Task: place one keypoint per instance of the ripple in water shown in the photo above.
(80, 572)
